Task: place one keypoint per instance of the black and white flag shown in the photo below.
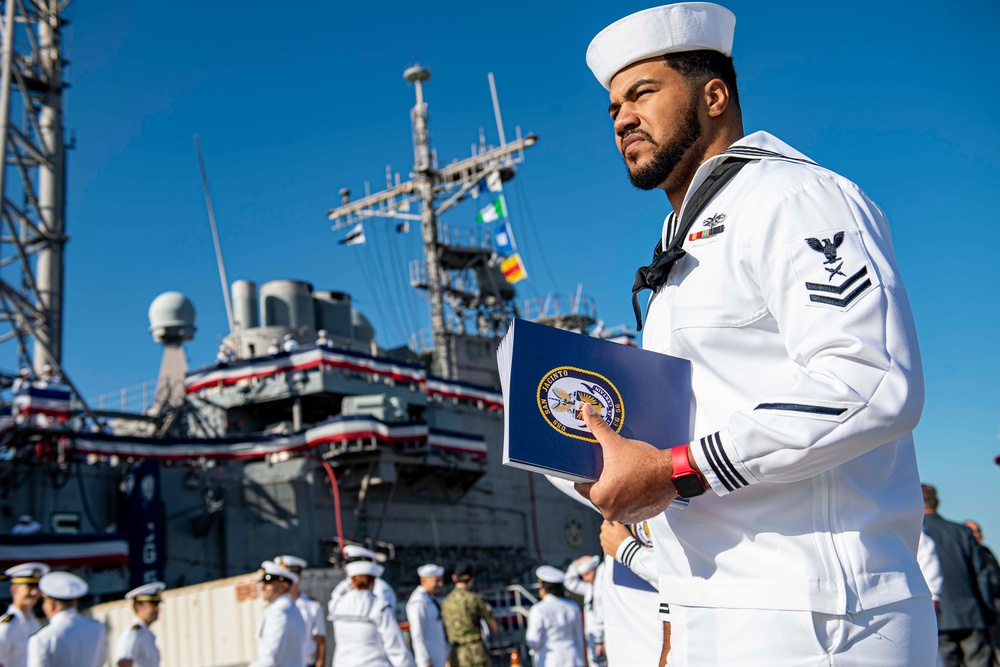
(354, 237)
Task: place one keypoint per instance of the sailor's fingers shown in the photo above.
(602, 432)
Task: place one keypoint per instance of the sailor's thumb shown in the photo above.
(597, 426)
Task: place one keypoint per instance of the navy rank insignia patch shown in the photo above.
(834, 268)
(713, 226)
(564, 391)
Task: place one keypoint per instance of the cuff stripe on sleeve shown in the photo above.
(719, 460)
(715, 468)
(629, 553)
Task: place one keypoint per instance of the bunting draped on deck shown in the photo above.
(58, 551)
(52, 401)
(312, 358)
(340, 429)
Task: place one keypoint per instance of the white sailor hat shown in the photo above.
(321, 333)
(46, 367)
(293, 563)
(550, 575)
(354, 551)
(24, 371)
(269, 571)
(430, 570)
(62, 586)
(27, 573)
(363, 567)
(288, 336)
(146, 592)
(685, 26)
(588, 565)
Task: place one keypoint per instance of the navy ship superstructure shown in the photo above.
(301, 447)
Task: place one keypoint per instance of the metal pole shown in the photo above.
(5, 76)
(215, 236)
(496, 109)
(51, 194)
(424, 181)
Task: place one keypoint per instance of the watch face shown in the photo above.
(688, 485)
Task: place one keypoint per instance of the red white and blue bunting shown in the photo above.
(341, 429)
(51, 401)
(100, 550)
(313, 358)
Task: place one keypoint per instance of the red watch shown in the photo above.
(688, 482)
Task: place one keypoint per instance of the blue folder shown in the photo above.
(548, 374)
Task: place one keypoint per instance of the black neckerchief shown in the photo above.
(655, 275)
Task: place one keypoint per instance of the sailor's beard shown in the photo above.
(668, 156)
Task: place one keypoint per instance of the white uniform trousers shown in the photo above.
(902, 634)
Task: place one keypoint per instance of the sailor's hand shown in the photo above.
(635, 483)
(612, 536)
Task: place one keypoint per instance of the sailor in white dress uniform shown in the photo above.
(381, 590)
(582, 579)
(555, 626)
(423, 611)
(19, 623)
(136, 646)
(314, 652)
(69, 640)
(364, 626)
(282, 633)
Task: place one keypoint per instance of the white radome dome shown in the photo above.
(171, 318)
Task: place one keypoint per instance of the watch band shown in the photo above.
(687, 481)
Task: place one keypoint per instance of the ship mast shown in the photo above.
(424, 185)
(448, 294)
(32, 181)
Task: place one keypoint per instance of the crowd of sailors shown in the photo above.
(277, 346)
(452, 631)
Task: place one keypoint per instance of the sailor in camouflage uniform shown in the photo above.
(462, 612)
(19, 623)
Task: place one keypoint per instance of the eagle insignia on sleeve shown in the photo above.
(829, 250)
(846, 275)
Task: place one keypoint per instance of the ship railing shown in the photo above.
(510, 609)
(463, 283)
(463, 236)
(418, 273)
(559, 306)
(422, 341)
(620, 333)
(135, 399)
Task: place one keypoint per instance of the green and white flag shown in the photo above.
(493, 212)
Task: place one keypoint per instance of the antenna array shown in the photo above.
(438, 190)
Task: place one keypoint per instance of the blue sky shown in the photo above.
(294, 102)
